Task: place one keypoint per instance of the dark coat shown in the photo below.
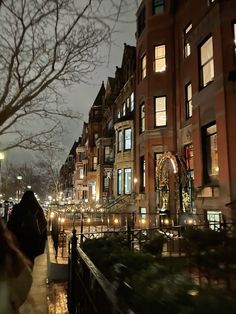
(31, 245)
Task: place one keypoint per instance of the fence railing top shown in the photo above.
(103, 282)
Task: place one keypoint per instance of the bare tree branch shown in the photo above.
(45, 46)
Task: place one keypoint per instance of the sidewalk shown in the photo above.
(44, 297)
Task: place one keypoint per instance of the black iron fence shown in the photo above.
(88, 290)
(137, 227)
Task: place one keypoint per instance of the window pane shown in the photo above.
(160, 51)
(212, 151)
(142, 118)
(119, 146)
(188, 152)
(143, 67)
(208, 73)
(206, 51)
(95, 160)
(107, 154)
(132, 102)
(124, 109)
(207, 63)
(160, 111)
(158, 6)
(128, 181)
(128, 139)
(119, 181)
(160, 65)
(188, 100)
(235, 39)
(160, 58)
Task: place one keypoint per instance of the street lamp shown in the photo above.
(19, 178)
(1, 158)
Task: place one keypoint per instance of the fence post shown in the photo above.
(129, 237)
(81, 228)
(71, 281)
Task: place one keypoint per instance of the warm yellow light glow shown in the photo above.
(88, 220)
(62, 220)
(193, 292)
(143, 221)
(2, 156)
(52, 215)
(166, 221)
(135, 180)
(116, 221)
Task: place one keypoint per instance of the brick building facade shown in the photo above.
(166, 121)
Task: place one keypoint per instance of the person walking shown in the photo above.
(15, 273)
(29, 225)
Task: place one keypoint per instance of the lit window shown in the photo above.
(118, 115)
(127, 178)
(207, 63)
(188, 154)
(160, 58)
(124, 109)
(235, 38)
(128, 104)
(107, 153)
(158, 6)
(119, 181)
(81, 173)
(187, 47)
(143, 212)
(160, 111)
(142, 174)
(95, 137)
(142, 118)
(128, 139)
(211, 149)
(119, 142)
(188, 100)
(132, 102)
(143, 67)
(95, 161)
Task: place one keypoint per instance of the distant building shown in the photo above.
(185, 106)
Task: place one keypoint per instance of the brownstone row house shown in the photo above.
(161, 133)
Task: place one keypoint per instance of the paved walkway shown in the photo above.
(44, 297)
